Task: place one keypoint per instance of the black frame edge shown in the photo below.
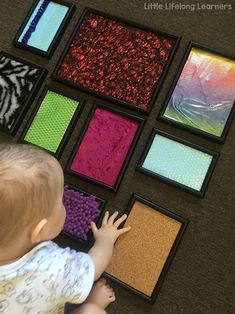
(60, 32)
(55, 77)
(184, 223)
(28, 103)
(70, 127)
(181, 125)
(103, 203)
(129, 154)
(215, 157)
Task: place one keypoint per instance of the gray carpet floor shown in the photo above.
(201, 277)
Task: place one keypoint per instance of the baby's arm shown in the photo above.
(105, 237)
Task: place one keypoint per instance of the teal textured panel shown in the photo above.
(177, 162)
(47, 26)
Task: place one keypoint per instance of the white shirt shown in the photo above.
(44, 279)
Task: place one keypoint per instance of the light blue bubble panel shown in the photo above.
(47, 26)
(178, 162)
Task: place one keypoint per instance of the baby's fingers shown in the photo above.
(112, 218)
(120, 220)
(93, 227)
(123, 230)
(105, 219)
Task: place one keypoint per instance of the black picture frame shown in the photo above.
(102, 95)
(21, 112)
(98, 220)
(215, 156)
(184, 223)
(181, 125)
(54, 43)
(129, 154)
(70, 127)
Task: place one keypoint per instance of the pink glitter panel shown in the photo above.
(116, 59)
(104, 147)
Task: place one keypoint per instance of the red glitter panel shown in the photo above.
(116, 60)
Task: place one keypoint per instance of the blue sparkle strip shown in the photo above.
(35, 21)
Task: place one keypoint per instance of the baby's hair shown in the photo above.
(27, 188)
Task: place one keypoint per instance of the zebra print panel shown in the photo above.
(16, 83)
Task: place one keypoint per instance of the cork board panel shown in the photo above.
(139, 256)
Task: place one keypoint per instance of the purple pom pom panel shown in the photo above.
(81, 208)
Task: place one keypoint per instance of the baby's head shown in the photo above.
(31, 192)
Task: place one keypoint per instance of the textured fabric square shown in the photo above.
(104, 147)
(116, 59)
(45, 27)
(205, 92)
(16, 84)
(177, 162)
(81, 209)
(51, 121)
(140, 255)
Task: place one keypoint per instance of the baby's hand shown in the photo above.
(109, 228)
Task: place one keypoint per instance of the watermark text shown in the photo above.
(178, 6)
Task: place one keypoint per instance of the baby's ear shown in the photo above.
(36, 234)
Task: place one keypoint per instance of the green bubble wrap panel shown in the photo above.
(177, 162)
(51, 121)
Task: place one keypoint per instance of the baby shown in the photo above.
(36, 275)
